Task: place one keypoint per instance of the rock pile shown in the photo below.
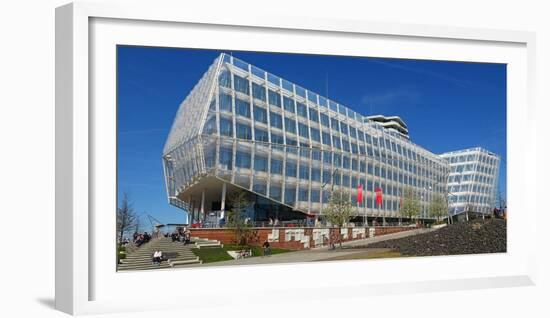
(474, 237)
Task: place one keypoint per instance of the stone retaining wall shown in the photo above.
(295, 238)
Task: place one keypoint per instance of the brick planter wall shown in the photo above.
(294, 238)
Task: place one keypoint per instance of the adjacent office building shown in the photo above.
(244, 129)
(472, 182)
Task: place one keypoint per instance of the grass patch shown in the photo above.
(218, 254)
(211, 254)
(256, 250)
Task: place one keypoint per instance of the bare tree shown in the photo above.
(438, 206)
(126, 218)
(411, 203)
(236, 217)
(339, 209)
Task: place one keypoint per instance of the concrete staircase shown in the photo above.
(177, 254)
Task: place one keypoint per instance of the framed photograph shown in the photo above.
(269, 155)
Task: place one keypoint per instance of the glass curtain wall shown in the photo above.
(294, 146)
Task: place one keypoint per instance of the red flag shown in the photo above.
(378, 196)
(360, 193)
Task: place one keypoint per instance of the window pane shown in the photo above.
(322, 101)
(345, 144)
(242, 159)
(290, 195)
(244, 131)
(260, 163)
(352, 132)
(326, 138)
(303, 194)
(291, 141)
(303, 130)
(344, 128)
(226, 158)
(345, 181)
(274, 98)
(337, 161)
(260, 186)
(226, 103)
(275, 192)
(258, 72)
(304, 171)
(313, 115)
(324, 120)
(336, 142)
(226, 127)
(210, 126)
(241, 84)
(242, 108)
(300, 91)
(288, 86)
(273, 79)
(342, 109)
(261, 135)
(315, 136)
(276, 166)
(315, 174)
(335, 124)
(275, 120)
(258, 91)
(315, 155)
(333, 106)
(345, 162)
(315, 195)
(277, 139)
(289, 104)
(301, 109)
(312, 97)
(260, 114)
(225, 79)
(290, 125)
(327, 177)
(240, 64)
(290, 169)
(327, 157)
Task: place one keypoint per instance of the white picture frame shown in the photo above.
(85, 35)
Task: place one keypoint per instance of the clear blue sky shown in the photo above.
(446, 105)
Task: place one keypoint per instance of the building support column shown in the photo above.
(192, 208)
(201, 211)
(224, 190)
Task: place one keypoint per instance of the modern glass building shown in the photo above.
(242, 128)
(472, 182)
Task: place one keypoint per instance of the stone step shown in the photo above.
(141, 258)
(207, 245)
(167, 250)
(148, 267)
(176, 263)
(172, 263)
(151, 254)
(148, 261)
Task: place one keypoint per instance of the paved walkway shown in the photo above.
(320, 253)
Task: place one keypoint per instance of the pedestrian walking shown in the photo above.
(267, 250)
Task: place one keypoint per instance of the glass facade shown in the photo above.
(252, 129)
(472, 181)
